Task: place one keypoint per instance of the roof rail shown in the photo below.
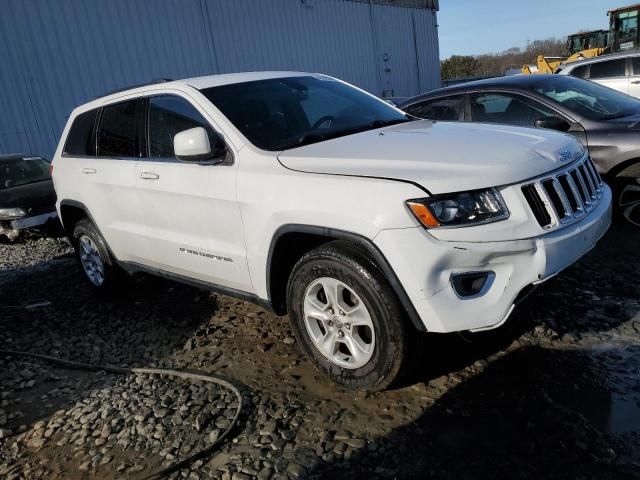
(138, 85)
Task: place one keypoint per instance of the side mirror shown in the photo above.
(553, 123)
(193, 146)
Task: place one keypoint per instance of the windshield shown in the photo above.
(588, 99)
(21, 171)
(283, 113)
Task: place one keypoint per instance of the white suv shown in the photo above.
(620, 71)
(311, 197)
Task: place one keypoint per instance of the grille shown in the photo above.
(564, 196)
(536, 204)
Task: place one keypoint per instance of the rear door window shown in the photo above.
(81, 140)
(447, 109)
(121, 129)
(608, 69)
(635, 62)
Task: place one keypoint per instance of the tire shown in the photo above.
(364, 310)
(626, 198)
(97, 265)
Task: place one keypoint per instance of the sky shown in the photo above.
(473, 27)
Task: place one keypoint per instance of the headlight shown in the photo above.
(12, 213)
(459, 209)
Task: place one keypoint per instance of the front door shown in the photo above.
(191, 216)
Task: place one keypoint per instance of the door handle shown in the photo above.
(149, 176)
(636, 82)
(88, 171)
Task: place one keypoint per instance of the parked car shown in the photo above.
(311, 197)
(27, 197)
(620, 71)
(605, 121)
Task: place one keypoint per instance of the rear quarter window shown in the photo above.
(608, 69)
(580, 72)
(81, 140)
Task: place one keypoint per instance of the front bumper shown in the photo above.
(12, 228)
(425, 267)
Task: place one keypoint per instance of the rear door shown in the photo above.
(69, 176)
(189, 209)
(109, 178)
(611, 73)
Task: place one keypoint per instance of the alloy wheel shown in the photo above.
(91, 261)
(339, 323)
(629, 202)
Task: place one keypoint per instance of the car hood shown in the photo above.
(33, 197)
(440, 156)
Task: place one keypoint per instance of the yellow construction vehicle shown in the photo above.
(581, 41)
(623, 35)
(546, 64)
(623, 25)
(579, 46)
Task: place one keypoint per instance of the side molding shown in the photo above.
(132, 267)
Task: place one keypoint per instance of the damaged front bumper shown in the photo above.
(427, 268)
(13, 228)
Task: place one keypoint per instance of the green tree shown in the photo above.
(499, 62)
(459, 66)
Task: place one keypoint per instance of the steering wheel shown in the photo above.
(321, 120)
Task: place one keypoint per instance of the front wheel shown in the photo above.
(346, 317)
(627, 200)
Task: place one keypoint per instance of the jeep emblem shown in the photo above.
(565, 155)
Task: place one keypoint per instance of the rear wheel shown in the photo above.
(347, 318)
(627, 200)
(97, 265)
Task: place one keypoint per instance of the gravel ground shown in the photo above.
(553, 394)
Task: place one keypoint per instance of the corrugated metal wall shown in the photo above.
(56, 54)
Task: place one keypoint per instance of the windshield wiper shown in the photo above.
(315, 137)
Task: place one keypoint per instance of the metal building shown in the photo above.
(57, 54)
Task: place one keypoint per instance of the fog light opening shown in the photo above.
(472, 284)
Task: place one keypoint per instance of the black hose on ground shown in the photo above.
(153, 371)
